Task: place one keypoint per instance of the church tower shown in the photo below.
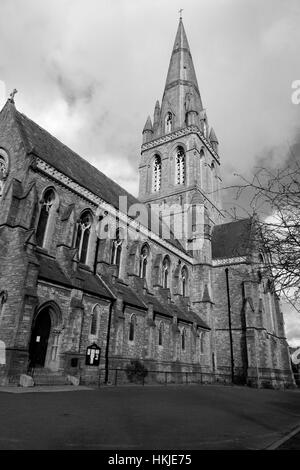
(180, 165)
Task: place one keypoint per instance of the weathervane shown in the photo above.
(12, 95)
(180, 13)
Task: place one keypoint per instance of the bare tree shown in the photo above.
(274, 199)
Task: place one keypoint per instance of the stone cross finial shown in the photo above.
(180, 13)
(12, 95)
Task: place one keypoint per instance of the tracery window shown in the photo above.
(144, 261)
(48, 202)
(83, 235)
(184, 278)
(157, 173)
(180, 166)
(166, 272)
(117, 251)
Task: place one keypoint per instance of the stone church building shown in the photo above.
(78, 267)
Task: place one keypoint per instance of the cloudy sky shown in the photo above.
(90, 72)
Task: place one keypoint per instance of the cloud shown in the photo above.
(90, 72)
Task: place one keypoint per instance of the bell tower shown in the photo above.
(179, 161)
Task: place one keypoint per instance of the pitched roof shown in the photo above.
(171, 309)
(50, 270)
(232, 240)
(127, 294)
(61, 157)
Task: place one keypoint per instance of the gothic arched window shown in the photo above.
(204, 128)
(183, 339)
(132, 327)
(168, 123)
(160, 333)
(144, 261)
(83, 235)
(116, 251)
(156, 173)
(184, 279)
(166, 272)
(180, 166)
(201, 342)
(95, 320)
(46, 212)
(3, 169)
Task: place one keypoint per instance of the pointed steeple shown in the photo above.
(214, 140)
(212, 136)
(148, 130)
(148, 125)
(181, 94)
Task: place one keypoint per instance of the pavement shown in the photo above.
(177, 417)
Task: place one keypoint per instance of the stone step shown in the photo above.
(43, 377)
(50, 380)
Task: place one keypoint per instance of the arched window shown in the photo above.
(132, 327)
(259, 276)
(48, 201)
(3, 299)
(3, 169)
(95, 320)
(168, 123)
(116, 251)
(83, 235)
(204, 128)
(166, 272)
(201, 342)
(144, 261)
(180, 166)
(156, 173)
(160, 333)
(184, 279)
(183, 339)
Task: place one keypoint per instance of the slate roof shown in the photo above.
(232, 240)
(93, 284)
(127, 294)
(171, 309)
(49, 270)
(61, 157)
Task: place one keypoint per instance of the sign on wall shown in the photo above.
(92, 357)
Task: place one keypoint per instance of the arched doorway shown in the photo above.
(39, 338)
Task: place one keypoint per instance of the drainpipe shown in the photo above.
(229, 325)
(107, 343)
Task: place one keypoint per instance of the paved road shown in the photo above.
(160, 417)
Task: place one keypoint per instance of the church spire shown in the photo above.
(181, 94)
